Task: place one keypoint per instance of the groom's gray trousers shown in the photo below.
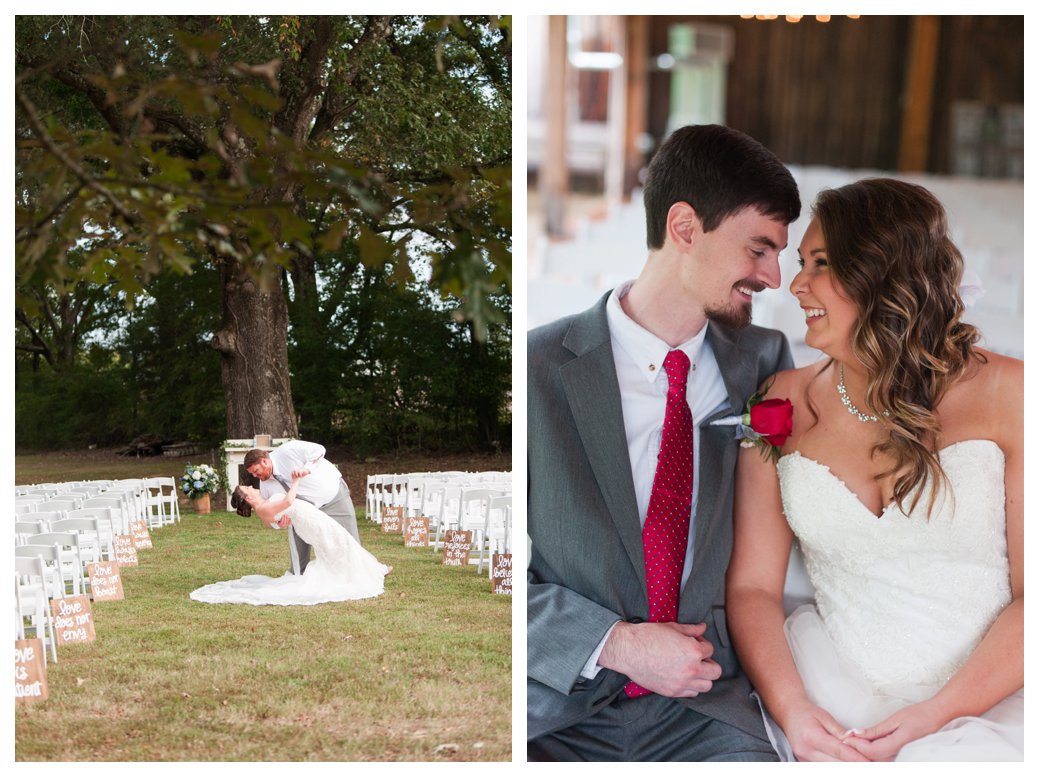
(341, 510)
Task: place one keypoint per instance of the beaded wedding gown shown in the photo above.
(340, 570)
(902, 601)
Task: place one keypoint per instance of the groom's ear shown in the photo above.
(683, 225)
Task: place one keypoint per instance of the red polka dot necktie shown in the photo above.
(666, 532)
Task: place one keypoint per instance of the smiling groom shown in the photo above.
(630, 490)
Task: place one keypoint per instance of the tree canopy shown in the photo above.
(297, 163)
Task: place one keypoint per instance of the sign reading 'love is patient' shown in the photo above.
(30, 672)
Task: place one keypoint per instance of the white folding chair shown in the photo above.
(71, 558)
(50, 557)
(91, 549)
(120, 511)
(64, 503)
(155, 506)
(168, 497)
(25, 529)
(497, 531)
(103, 516)
(370, 496)
(447, 516)
(472, 516)
(32, 602)
(47, 516)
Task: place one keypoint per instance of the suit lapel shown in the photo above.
(715, 462)
(600, 423)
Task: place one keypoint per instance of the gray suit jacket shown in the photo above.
(587, 568)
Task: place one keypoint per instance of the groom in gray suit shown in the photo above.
(628, 655)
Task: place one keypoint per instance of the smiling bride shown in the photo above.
(902, 481)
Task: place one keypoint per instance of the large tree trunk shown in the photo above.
(253, 345)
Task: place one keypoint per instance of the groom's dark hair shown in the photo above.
(239, 505)
(718, 171)
(254, 456)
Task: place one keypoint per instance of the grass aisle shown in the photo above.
(426, 664)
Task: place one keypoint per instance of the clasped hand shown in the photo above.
(815, 736)
(670, 659)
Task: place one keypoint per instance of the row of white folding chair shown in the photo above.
(464, 508)
(94, 530)
(33, 593)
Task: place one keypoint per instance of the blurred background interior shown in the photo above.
(936, 100)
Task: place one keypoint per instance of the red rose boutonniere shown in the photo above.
(765, 424)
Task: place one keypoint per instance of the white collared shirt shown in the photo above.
(319, 487)
(638, 355)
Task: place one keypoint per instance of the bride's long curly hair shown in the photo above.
(887, 243)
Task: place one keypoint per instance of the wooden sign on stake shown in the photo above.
(105, 582)
(392, 519)
(73, 619)
(456, 547)
(142, 539)
(125, 552)
(501, 573)
(416, 533)
(30, 671)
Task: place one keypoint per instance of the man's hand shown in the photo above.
(283, 521)
(300, 473)
(671, 659)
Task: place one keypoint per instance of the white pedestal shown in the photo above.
(235, 451)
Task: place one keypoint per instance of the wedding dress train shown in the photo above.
(902, 601)
(340, 570)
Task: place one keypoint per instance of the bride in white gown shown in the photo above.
(341, 569)
(902, 481)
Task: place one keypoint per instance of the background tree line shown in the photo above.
(291, 225)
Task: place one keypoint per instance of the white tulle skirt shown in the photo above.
(840, 689)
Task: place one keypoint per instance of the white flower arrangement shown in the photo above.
(198, 480)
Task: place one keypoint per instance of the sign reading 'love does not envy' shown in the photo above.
(73, 619)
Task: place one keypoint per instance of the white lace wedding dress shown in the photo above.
(902, 601)
(340, 570)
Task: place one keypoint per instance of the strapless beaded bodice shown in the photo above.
(905, 598)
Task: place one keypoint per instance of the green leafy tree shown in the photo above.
(258, 146)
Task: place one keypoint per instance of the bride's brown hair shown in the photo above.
(238, 503)
(887, 243)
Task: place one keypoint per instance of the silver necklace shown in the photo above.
(850, 405)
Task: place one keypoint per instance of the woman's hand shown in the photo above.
(815, 736)
(883, 741)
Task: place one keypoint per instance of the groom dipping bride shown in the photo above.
(341, 569)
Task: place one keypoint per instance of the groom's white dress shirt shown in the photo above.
(638, 355)
(319, 487)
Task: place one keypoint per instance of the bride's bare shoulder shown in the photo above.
(992, 389)
(791, 384)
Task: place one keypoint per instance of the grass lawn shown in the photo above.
(421, 673)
